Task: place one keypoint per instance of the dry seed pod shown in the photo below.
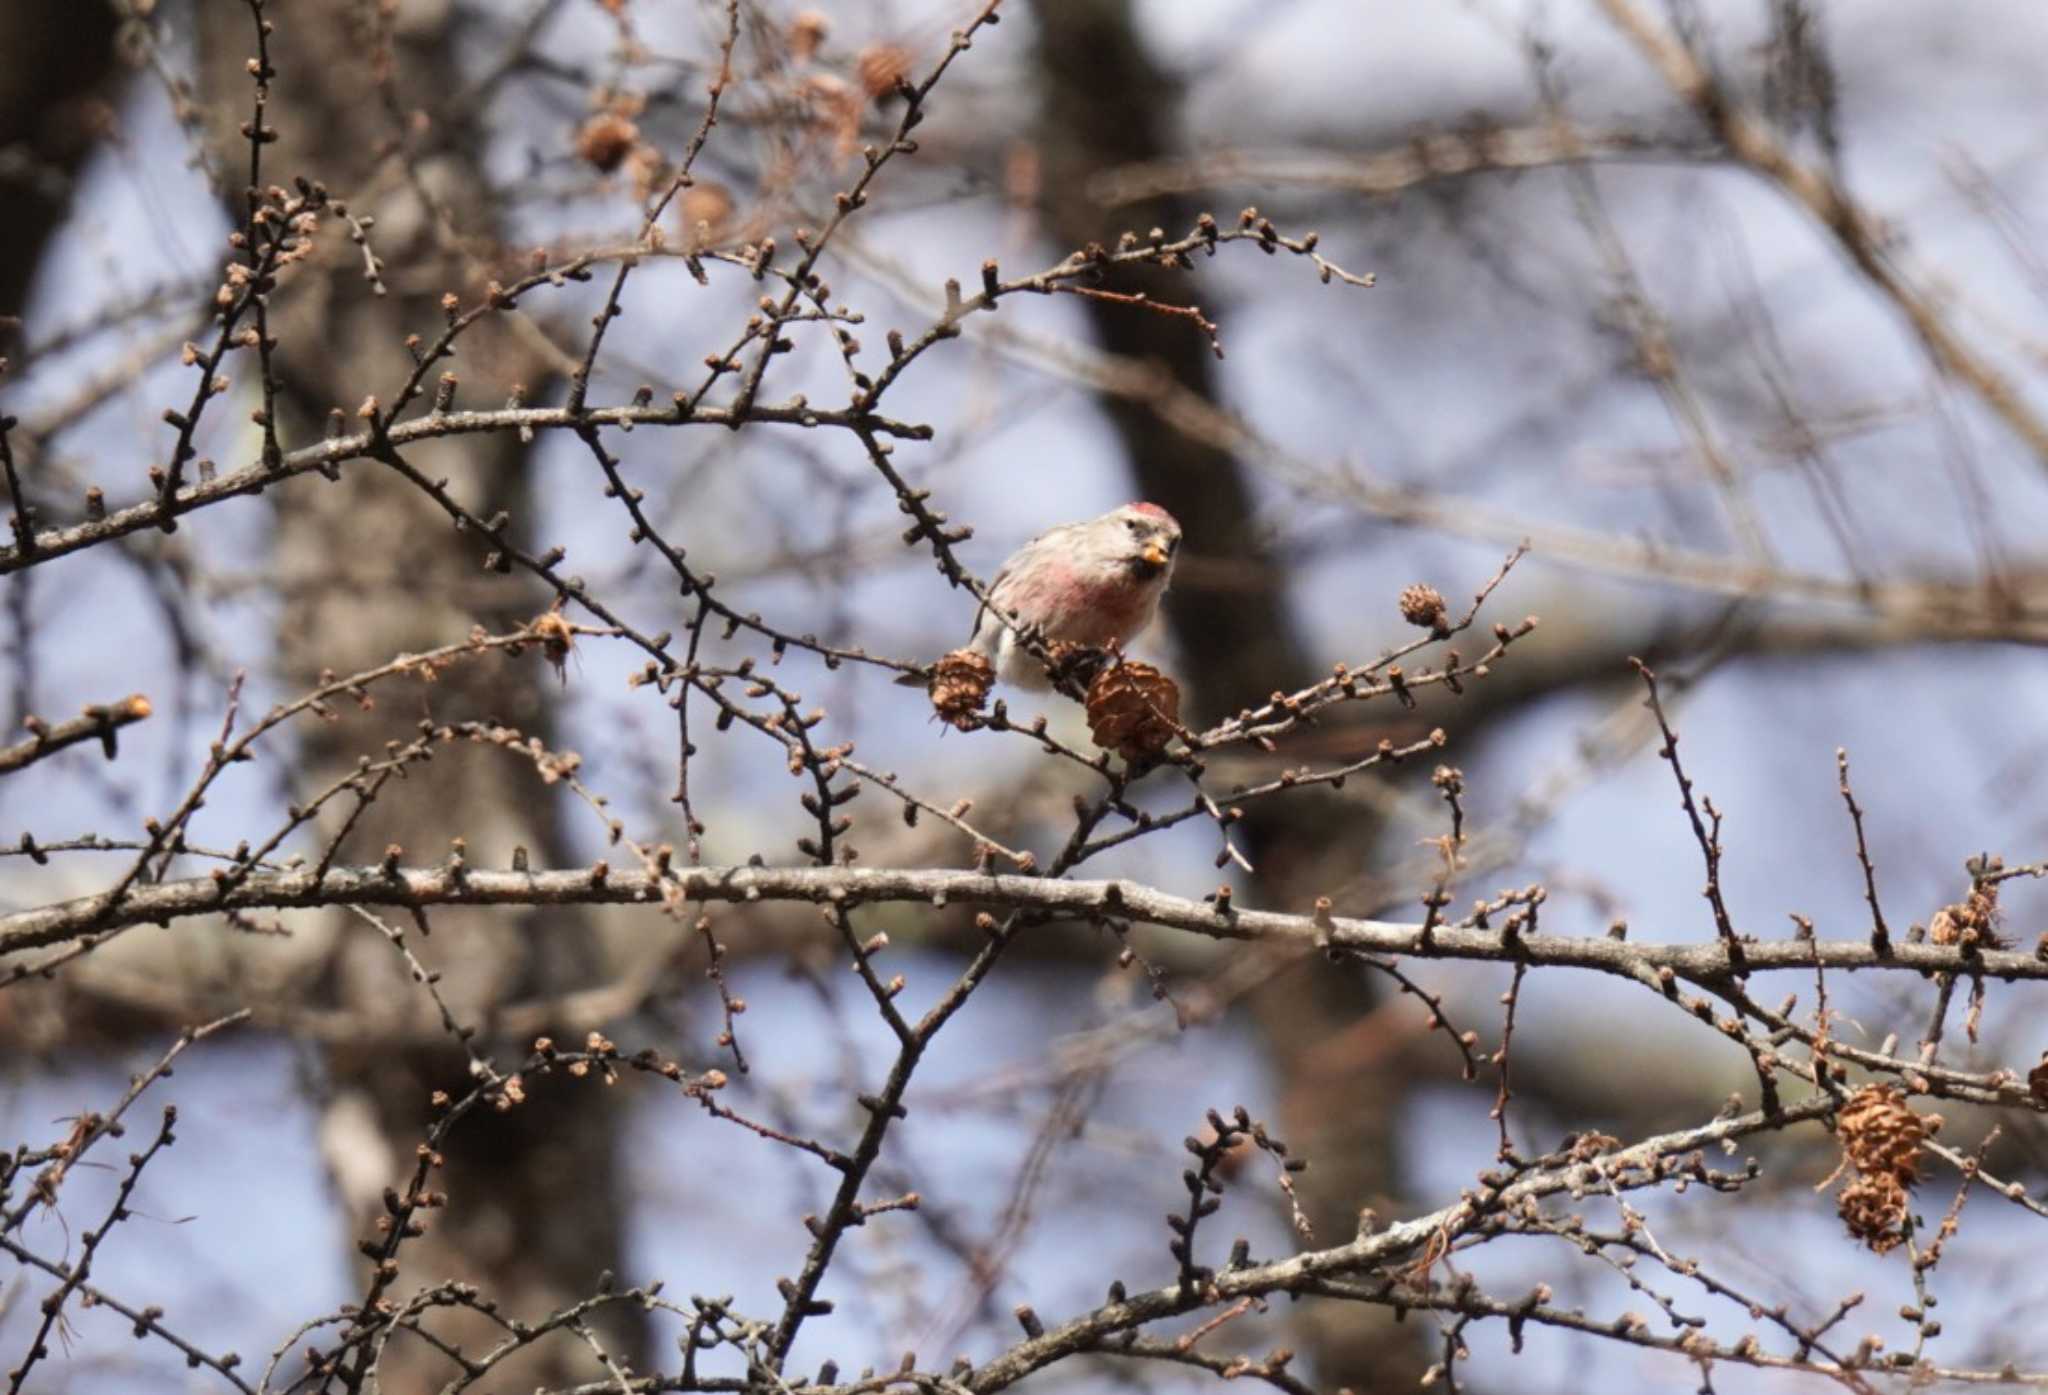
(879, 67)
(1133, 709)
(959, 686)
(1873, 1207)
(1424, 606)
(557, 639)
(606, 139)
(1880, 1134)
(1970, 921)
(807, 34)
(1083, 663)
(1881, 1140)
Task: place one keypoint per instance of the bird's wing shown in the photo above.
(981, 610)
(1002, 574)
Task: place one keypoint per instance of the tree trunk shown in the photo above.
(56, 65)
(1106, 103)
(370, 569)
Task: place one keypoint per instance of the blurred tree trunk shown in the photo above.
(56, 65)
(365, 570)
(1106, 102)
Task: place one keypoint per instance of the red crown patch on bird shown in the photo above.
(1153, 509)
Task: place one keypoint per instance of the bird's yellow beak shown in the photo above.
(1154, 555)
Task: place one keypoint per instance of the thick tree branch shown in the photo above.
(850, 886)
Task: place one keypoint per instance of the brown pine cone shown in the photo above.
(1133, 709)
(879, 67)
(1082, 663)
(1971, 921)
(1880, 1134)
(606, 139)
(1424, 606)
(1873, 1207)
(959, 686)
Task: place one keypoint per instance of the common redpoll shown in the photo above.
(1096, 584)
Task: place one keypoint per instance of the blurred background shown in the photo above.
(1764, 392)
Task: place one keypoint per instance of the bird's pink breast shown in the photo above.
(1086, 608)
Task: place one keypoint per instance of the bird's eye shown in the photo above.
(1134, 525)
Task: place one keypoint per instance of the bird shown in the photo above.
(1095, 583)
